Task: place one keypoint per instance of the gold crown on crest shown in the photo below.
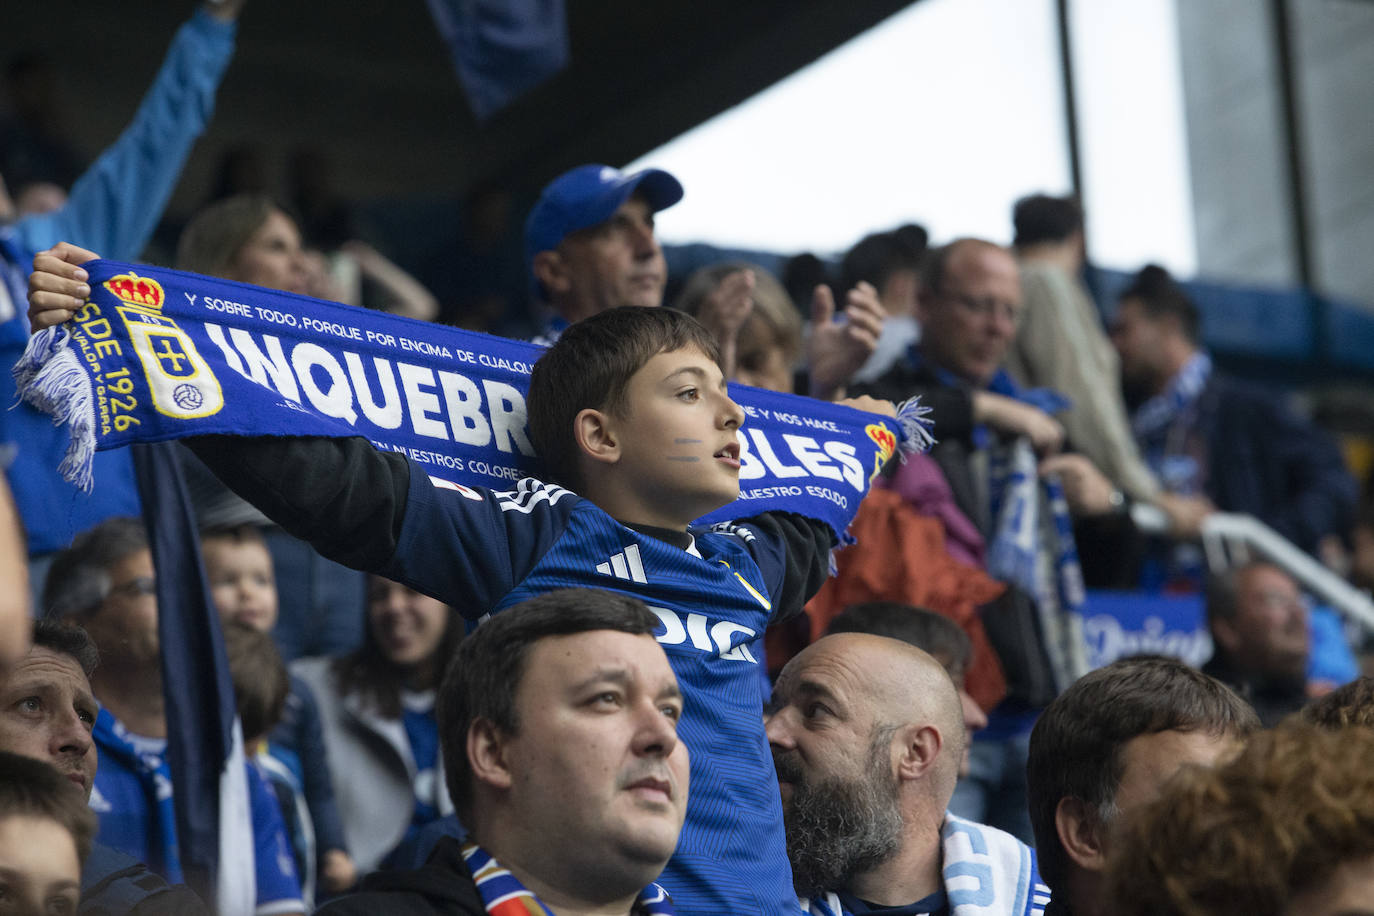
(135, 290)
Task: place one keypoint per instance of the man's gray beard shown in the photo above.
(838, 829)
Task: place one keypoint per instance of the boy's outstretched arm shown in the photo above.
(344, 497)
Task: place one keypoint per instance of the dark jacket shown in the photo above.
(113, 884)
(1272, 698)
(1266, 461)
(443, 887)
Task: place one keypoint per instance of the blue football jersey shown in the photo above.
(132, 798)
(483, 551)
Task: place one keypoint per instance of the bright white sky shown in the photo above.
(944, 115)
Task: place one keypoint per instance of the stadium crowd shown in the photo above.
(450, 701)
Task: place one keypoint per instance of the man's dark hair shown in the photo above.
(934, 633)
(67, 639)
(1351, 704)
(33, 788)
(79, 578)
(1075, 747)
(1041, 218)
(487, 669)
(259, 678)
(590, 366)
(876, 257)
(1160, 295)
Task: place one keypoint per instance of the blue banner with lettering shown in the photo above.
(1121, 624)
(159, 354)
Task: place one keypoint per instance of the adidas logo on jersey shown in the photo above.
(624, 565)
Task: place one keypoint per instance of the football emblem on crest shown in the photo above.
(187, 397)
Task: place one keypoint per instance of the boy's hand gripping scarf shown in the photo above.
(160, 354)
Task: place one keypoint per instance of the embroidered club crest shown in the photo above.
(179, 379)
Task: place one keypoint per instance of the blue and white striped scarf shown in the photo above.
(1159, 423)
(984, 872)
(135, 832)
(1020, 544)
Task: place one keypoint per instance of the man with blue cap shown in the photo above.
(590, 242)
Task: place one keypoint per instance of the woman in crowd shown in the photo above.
(250, 239)
(756, 323)
(377, 711)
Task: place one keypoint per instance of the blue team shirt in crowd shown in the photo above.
(132, 798)
(483, 551)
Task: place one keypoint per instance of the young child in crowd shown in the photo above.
(238, 567)
(45, 835)
(630, 414)
(260, 690)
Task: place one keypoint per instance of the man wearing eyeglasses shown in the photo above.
(969, 305)
(991, 435)
(105, 581)
(1258, 620)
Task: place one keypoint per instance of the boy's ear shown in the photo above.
(550, 270)
(487, 755)
(1081, 834)
(596, 435)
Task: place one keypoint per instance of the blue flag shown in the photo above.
(204, 744)
(502, 48)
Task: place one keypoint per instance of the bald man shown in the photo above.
(867, 735)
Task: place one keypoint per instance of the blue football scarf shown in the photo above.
(1160, 423)
(159, 354)
(155, 780)
(1017, 494)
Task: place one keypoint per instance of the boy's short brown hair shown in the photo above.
(590, 366)
(243, 533)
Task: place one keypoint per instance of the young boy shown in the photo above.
(238, 567)
(629, 409)
(260, 688)
(45, 835)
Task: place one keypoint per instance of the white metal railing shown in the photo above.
(1230, 540)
